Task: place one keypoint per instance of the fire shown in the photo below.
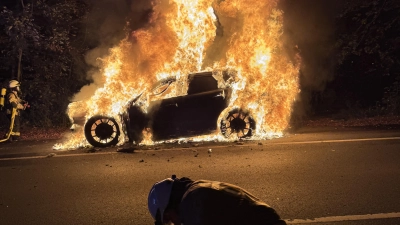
(185, 37)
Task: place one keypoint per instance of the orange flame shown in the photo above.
(184, 37)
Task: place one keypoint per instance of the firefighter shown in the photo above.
(14, 102)
(204, 202)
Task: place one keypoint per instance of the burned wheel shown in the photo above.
(237, 122)
(102, 131)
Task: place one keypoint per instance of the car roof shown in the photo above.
(208, 73)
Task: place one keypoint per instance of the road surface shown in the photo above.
(312, 176)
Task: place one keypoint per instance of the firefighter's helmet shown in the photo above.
(13, 84)
(159, 197)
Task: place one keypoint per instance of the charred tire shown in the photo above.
(102, 131)
(237, 123)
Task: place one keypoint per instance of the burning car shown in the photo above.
(203, 110)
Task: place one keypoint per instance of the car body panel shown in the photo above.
(182, 116)
(187, 115)
(169, 116)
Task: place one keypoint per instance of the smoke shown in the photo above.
(309, 25)
(107, 23)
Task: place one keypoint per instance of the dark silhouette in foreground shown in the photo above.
(184, 201)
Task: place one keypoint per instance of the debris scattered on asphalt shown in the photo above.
(91, 150)
(51, 155)
(126, 150)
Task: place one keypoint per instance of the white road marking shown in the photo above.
(338, 141)
(57, 156)
(345, 218)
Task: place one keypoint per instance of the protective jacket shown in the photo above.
(205, 202)
(14, 102)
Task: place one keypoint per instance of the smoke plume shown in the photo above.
(107, 24)
(309, 25)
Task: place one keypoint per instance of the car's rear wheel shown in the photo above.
(237, 123)
(102, 131)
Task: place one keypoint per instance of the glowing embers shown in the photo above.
(237, 122)
(102, 131)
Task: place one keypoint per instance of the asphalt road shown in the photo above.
(312, 176)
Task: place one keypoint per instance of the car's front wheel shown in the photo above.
(102, 131)
(237, 123)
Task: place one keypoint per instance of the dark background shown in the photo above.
(349, 50)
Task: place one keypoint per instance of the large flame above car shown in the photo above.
(184, 37)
